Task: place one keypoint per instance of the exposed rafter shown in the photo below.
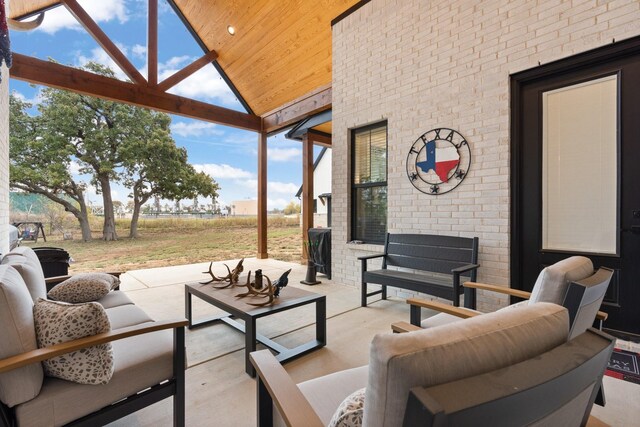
(104, 41)
(63, 77)
(292, 112)
(180, 75)
(319, 138)
(152, 43)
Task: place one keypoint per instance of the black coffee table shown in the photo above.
(237, 308)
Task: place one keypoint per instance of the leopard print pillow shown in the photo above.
(350, 411)
(84, 287)
(58, 322)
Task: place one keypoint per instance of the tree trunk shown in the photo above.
(83, 219)
(139, 199)
(109, 226)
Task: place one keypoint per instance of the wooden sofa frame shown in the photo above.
(175, 386)
(445, 257)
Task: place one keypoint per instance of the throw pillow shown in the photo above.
(58, 322)
(350, 411)
(84, 287)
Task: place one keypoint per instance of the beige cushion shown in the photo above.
(17, 335)
(115, 299)
(84, 287)
(350, 411)
(140, 362)
(57, 322)
(434, 356)
(127, 315)
(326, 393)
(26, 262)
(553, 281)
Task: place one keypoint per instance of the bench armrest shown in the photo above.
(465, 268)
(275, 386)
(401, 327)
(469, 294)
(366, 257)
(41, 354)
(499, 289)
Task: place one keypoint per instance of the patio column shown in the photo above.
(262, 196)
(307, 190)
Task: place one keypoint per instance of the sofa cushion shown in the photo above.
(127, 315)
(84, 287)
(57, 322)
(61, 402)
(26, 262)
(17, 335)
(326, 393)
(553, 281)
(350, 411)
(114, 299)
(457, 350)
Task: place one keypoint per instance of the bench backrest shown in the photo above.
(426, 252)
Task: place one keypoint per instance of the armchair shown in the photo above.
(570, 282)
(408, 374)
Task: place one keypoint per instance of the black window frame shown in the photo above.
(355, 187)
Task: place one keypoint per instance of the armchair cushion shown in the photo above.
(17, 335)
(553, 281)
(26, 262)
(326, 393)
(84, 287)
(350, 411)
(58, 322)
(61, 402)
(434, 356)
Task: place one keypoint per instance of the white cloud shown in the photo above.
(282, 187)
(139, 51)
(195, 128)
(100, 11)
(37, 97)
(101, 57)
(283, 154)
(74, 168)
(276, 203)
(205, 84)
(223, 171)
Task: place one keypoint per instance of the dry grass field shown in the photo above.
(166, 242)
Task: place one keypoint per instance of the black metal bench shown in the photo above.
(443, 258)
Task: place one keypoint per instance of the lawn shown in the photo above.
(180, 241)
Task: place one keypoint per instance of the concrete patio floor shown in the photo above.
(219, 393)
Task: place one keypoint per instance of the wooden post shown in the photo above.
(262, 196)
(307, 190)
(152, 44)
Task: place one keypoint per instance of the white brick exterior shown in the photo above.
(4, 161)
(426, 64)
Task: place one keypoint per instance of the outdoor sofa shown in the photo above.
(148, 357)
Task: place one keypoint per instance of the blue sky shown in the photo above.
(229, 155)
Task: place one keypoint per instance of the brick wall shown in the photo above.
(425, 64)
(4, 161)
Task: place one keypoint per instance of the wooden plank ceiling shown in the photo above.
(281, 49)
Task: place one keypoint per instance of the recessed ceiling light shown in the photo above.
(231, 30)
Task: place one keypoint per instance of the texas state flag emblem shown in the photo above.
(439, 160)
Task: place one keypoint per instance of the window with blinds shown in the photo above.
(369, 183)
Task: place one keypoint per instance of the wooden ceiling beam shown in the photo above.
(104, 41)
(180, 75)
(294, 111)
(319, 138)
(152, 43)
(37, 71)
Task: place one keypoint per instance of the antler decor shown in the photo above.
(270, 291)
(231, 278)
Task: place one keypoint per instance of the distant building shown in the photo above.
(321, 189)
(244, 207)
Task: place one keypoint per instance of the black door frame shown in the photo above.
(603, 54)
